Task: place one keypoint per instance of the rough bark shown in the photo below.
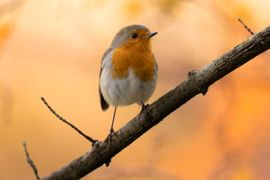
(196, 83)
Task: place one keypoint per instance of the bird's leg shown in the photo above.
(110, 136)
(111, 130)
(114, 113)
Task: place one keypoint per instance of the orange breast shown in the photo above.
(141, 61)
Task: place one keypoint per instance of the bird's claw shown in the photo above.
(144, 107)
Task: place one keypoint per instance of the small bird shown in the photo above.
(128, 72)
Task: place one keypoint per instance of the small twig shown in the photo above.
(246, 27)
(30, 161)
(68, 123)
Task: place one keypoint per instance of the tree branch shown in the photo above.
(30, 161)
(66, 122)
(196, 83)
(246, 27)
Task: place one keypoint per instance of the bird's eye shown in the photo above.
(134, 35)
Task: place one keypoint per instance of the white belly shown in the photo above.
(125, 91)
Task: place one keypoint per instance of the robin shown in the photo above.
(128, 72)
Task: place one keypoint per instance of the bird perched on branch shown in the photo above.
(128, 72)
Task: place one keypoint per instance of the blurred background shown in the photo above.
(53, 49)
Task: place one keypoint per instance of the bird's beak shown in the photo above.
(152, 34)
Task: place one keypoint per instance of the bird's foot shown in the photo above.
(109, 139)
(144, 107)
(145, 111)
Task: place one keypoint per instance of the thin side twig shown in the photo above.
(246, 27)
(30, 161)
(68, 123)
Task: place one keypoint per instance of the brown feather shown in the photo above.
(104, 105)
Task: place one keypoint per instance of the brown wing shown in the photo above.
(104, 105)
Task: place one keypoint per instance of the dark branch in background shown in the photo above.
(196, 83)
(30, 161)
(246, 27)
(68, 123)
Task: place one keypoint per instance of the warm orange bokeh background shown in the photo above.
(52, 48)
